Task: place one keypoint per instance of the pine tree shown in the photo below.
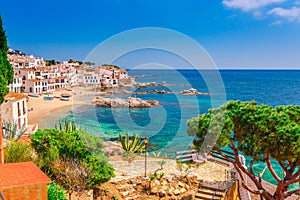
(6, 70)
(6, 77)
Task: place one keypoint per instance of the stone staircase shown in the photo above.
(128, 192)
(210, 192)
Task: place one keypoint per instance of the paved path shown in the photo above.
(208, 171)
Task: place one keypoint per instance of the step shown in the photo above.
(205, 196)
(211, 193)
(212, 188)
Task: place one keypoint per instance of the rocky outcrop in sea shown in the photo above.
(131, 102)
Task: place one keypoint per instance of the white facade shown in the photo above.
(91, 79)
(123, 74)
(14, 109)
(25, 73)
(16, 85)
(36, 86)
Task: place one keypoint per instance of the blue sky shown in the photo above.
(236, 33)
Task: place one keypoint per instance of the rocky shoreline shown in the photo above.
(190, 91)
(131, 102)
(154, 84)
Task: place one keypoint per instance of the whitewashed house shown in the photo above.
(36, 86)
(14, 109)
(25, 74)
(16, 85)
(91, 79)
(123, 74)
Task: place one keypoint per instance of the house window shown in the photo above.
(19, 110)
(24, 110)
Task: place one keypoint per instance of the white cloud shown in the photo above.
(290, 14)
(276, 23)
(247, 5)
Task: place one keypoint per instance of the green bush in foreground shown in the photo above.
(55, 192)
(17, 151)
(51, 144)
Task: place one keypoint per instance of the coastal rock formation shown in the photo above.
(138, 103)
(154, 84)
(106, 85)
(127, 82)
(192, 91)
(131, 102)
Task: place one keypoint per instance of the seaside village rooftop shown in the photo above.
(203, 177)
(34, 76)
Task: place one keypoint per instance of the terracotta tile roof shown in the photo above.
(23, 173)
(27, 69)
(37, 80)
(14, 96)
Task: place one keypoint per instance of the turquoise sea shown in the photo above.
(165, 125)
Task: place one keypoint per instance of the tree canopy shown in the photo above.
(6, 70)
(261, 132)
(51, 62)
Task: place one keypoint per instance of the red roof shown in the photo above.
(14, 96)
(23, 173)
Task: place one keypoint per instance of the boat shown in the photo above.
(48, 98)
(33, 95)
(64, 98)
(65, 95)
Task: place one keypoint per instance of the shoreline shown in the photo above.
(47, 111)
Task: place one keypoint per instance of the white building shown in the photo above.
(14, 109)
(16, 85)
(36, 86)
(25, 74)
(123, 74)
(91, 79)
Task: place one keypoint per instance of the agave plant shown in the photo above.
(132, 143)
(67, 126)
(11, 130)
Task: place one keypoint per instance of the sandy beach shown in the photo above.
(40, 109)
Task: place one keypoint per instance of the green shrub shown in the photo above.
(17, 151)
(55, 192)
(52, 144)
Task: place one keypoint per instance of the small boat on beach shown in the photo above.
(48, 98)
(33, 95)
(65, 95)
(64, 98)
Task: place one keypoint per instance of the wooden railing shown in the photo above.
(185, 156)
